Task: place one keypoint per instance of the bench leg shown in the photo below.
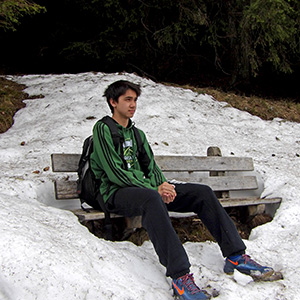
(131, 224)
(134, 222)
(254, 210)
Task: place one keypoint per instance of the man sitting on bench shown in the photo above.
(134, 186)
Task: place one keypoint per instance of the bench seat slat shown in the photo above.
(93, 214)
(231, 202)
(69, 163)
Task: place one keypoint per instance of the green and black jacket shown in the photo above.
(108, 165)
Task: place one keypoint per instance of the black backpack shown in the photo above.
(87, 184)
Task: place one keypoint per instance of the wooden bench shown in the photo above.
(223, 174)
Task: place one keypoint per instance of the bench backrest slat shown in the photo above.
(69, 163)
(204, 163)
(66, 189)
(224, 183)
(62, 162)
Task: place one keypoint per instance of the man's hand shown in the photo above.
(167, 192)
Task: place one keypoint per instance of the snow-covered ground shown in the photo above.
(47, 254)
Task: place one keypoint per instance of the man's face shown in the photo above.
(126, 105)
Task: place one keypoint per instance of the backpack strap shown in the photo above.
(142, 156)
(139, 142)
(113, 130)
(116, 137)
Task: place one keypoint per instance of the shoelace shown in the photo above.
(188, 281)
(248, 259)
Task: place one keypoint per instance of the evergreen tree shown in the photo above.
(11, 11)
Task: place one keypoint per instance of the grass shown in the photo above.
(11, 100)
(265, 108)
(188, 229)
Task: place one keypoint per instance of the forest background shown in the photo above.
(250, 47)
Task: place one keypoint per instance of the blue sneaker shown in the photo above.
(248, 266)
(185, 288)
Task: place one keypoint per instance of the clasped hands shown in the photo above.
(167, 192)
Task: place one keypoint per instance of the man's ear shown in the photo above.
(113, 103)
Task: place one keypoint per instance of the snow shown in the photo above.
(47, 254)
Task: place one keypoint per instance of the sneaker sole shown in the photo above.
(269, 276)
(178, 297)
(257, 277)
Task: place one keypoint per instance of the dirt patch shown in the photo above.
(11, 100)
(189, 229)
(266, 109)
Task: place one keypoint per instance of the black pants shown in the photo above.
(197, 198)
